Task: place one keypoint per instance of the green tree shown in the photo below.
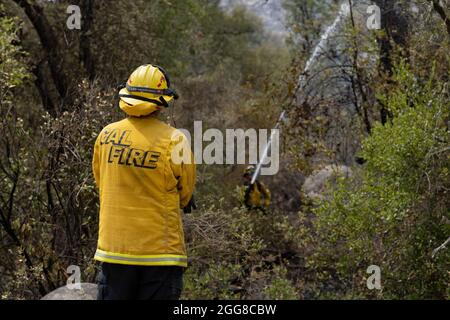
(396, 210)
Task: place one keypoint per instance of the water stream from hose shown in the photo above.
(319, 49)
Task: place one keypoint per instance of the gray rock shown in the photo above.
(88, 291)
(316, 185)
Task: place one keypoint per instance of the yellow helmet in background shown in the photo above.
(147, 90)
(249, 171)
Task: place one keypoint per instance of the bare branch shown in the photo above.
(441, 247)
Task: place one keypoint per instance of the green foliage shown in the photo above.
(281, 288)
(50, 219)
(214, 283)
(395, 212)
(13, 70)
(48, 200)
(235, 254)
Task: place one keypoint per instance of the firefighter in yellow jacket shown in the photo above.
(144, 180)
(257, 195)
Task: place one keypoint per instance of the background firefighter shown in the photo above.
(257, 195)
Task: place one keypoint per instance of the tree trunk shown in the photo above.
(87, 7)
(50, 46)
(441, 12)
(395, 25)
(48, 101)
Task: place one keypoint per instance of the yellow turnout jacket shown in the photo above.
(256, 195)
(141, 192)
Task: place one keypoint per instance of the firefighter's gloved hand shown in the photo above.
(190, 206)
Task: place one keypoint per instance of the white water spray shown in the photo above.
(323, 43)
(267, 148)
(318, 51)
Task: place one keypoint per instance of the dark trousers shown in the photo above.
(123, 282)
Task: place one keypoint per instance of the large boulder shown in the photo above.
(88, 291)
(317, 184)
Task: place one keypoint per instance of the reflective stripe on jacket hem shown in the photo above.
(145, 260)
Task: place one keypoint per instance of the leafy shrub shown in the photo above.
(235, 253)
(280, 287)
(396, 210)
